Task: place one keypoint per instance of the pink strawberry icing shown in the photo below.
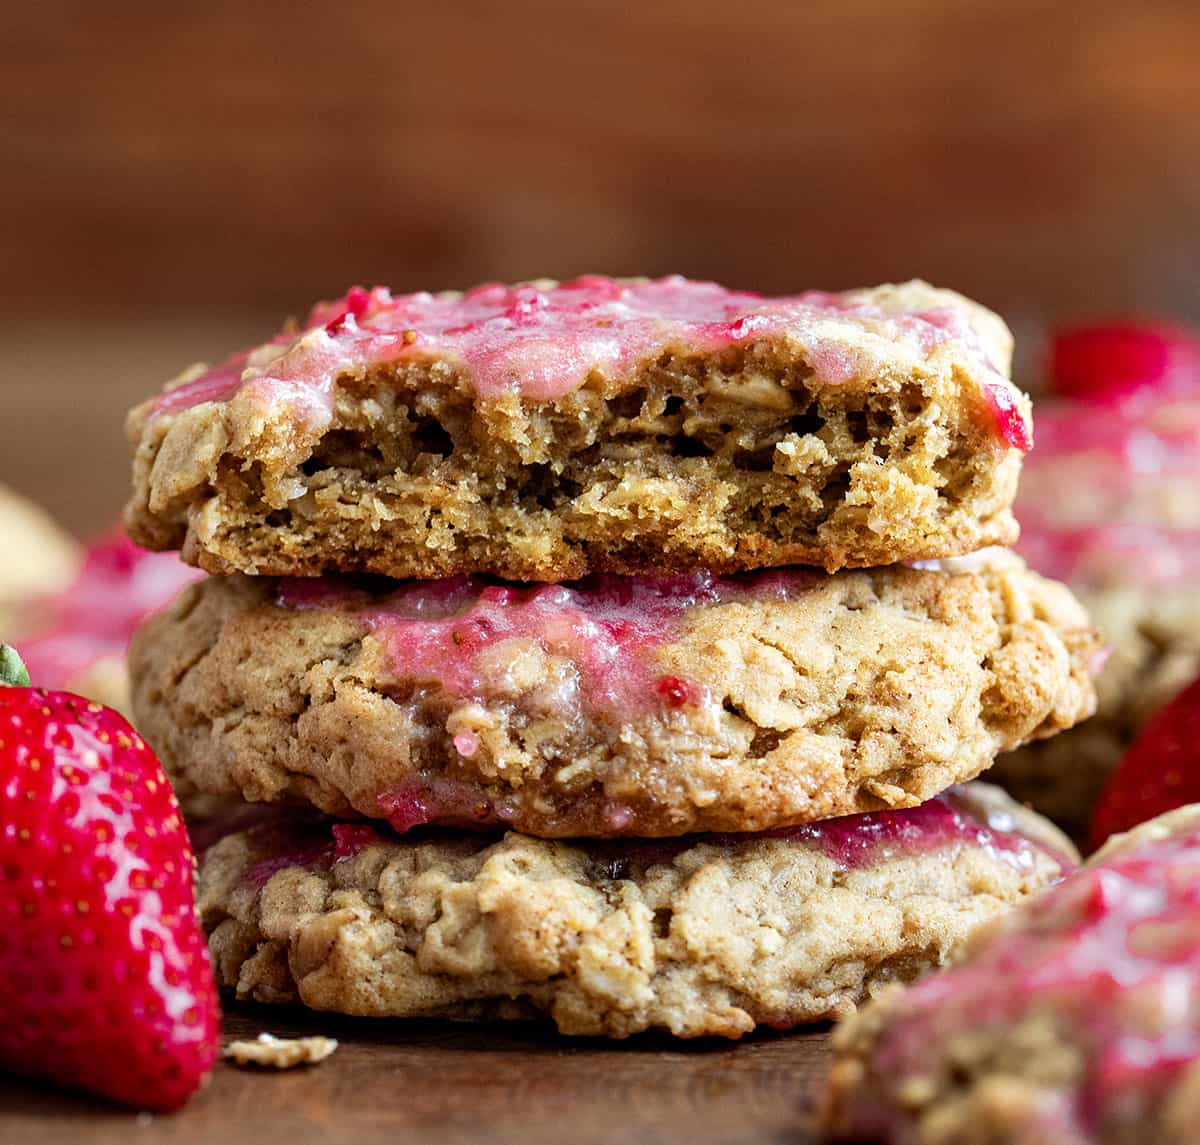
(606, 629)
(945, 824)
(1111, 958)
(118, 586)
(948, 821)
(1111, 494)
(542, 342)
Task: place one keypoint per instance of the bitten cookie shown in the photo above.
(699, 936)
(1073, 1021)
(1110, 503)
(619, 707)
(543, 432)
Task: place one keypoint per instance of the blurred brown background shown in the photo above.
(177, 177)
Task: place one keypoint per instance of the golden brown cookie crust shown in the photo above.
(704, 937)
(1153, 632)
(868, 689)
(730, 460)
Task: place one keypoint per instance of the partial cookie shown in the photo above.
(83, 632)
(543, 432)
(698, 936)
(1075, 1020)
(38, 559)
(1110, 504)
(620, 707)
(1153, 650)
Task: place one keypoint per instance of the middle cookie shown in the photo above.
(618, 706)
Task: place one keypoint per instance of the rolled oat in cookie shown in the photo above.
(614, 707)
(706, 935)
(545, 431)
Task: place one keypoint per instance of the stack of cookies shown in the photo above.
(608, 650)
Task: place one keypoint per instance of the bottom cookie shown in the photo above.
(705, 935)
(1072, 1022)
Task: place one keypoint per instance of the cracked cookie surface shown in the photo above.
(619, 707)
(697, 936)
(545, 432)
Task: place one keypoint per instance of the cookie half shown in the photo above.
(1074, 1020)
(699, 936)
(545, 431)
(619, 707)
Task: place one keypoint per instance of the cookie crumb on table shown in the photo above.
(271, 1052)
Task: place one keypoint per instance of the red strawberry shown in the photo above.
(107, 980)
(1112, 359)
(1161, 769)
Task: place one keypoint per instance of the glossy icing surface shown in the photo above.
(1111, 494)
(604, 630)
(542, 341)
(949, 822)
(1111, 958)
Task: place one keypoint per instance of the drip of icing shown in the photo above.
(542, 342)
(941, 823)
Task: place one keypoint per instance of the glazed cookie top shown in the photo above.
(541, 340)
(1111, 495)
(973, 815)
(704, 935)
(606, 627)
(1106, 965)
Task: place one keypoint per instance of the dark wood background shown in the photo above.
(177, 177)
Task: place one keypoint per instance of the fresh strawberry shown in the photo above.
(1113, 359)
(1161, 769)
(107, 980)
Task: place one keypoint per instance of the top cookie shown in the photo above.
(547, 431)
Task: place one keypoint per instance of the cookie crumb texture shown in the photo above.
(269, 1052)
(1072, 1020)
(696, 937)
(620, 708)
(1153, 634)
(545, 432)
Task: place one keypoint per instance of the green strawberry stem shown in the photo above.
(12, 668)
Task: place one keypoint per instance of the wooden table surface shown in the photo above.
(440, 1082)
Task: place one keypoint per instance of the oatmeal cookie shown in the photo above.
(697, 936)
(1072, 1021)
(1110, 504)
(37, 558)
(616, 707)
(543, 432)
